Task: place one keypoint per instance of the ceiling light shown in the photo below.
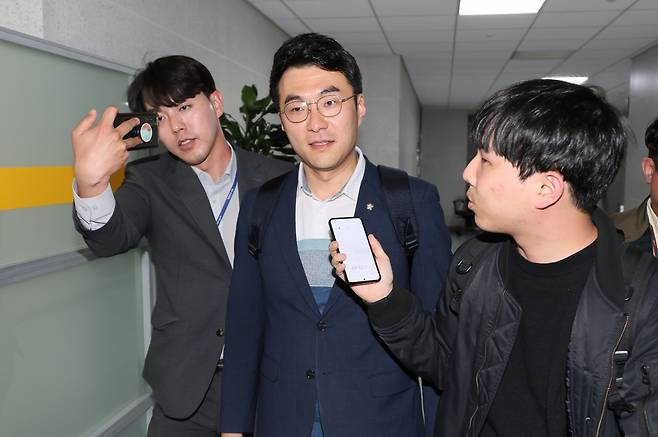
(578, 80)
(499, 7)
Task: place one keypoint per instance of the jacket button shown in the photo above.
(310, 374)
(322, 325)
(220, 332)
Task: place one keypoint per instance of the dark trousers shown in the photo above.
(203, 423)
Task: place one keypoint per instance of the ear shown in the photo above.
(648, 169)
(551, 188)
(217, 101)
(360, 108)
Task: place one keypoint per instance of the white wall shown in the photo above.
(379, 131)
(643, 109)
(410, 114)
(391, 128)
(444, 155)
(25, 16)
(234, 40)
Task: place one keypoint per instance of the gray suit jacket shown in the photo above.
(162, 200)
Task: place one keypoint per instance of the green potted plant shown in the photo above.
(256, 133)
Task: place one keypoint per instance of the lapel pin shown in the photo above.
(370, 206)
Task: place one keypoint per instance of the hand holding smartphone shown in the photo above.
(360, 265)
(146, 130)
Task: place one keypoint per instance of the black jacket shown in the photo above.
(464, 349)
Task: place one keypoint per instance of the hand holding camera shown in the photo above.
(101, 150)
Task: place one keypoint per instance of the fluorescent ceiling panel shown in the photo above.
(578, 80)
(499, 7)
(495, 21)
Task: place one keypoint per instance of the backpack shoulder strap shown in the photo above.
(266, 198)
(638, 267)
(395, 185)
(463, 264)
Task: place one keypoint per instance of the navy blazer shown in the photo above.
(282, 354)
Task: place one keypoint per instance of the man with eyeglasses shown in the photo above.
(301, 360)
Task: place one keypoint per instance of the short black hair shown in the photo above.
(550, 125)
(317, 50)
(169, 81)
(651, 140)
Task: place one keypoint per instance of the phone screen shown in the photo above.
(360, 265)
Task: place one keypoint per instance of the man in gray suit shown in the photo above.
(185, 203)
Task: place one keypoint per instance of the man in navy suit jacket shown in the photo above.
(300, 357)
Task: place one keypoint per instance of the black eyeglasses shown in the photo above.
(328, 106)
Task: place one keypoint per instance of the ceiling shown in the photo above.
(456, 61)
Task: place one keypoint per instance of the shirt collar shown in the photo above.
(230, 170)
(653, 219)
(351, 187)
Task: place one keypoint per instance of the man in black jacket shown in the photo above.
(526, 347)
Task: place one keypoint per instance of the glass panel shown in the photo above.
(71, 348)
(135, 429)
(45, 95)
(33, 233)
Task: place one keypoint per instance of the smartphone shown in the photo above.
(146, 130)
(360, 265)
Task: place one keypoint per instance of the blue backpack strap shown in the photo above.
(266, 198)
(395, 185)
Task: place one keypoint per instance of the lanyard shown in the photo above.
(228, 199)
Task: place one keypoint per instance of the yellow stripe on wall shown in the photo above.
(30, 187)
